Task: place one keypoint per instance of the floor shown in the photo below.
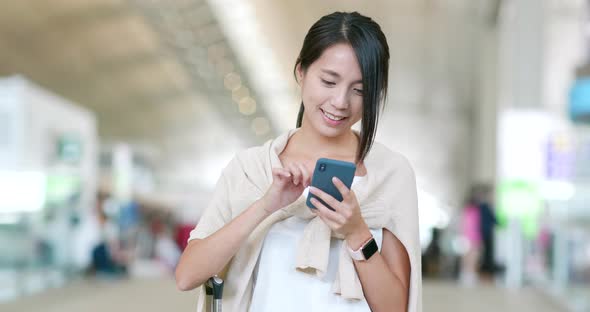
(160, 294)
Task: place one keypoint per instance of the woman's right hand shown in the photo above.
(195, 267)
(287, 185)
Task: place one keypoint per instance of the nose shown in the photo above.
(340, 98)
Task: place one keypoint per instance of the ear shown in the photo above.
(300, 74)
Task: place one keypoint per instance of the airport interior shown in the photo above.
(117, 118)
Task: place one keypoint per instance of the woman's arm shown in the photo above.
(385, 277)
(206, 257)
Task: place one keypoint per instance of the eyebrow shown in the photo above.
(335, 74)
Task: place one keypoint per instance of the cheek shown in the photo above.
(313, 96)
(357, 109)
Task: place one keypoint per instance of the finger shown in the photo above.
(281, 176)
(280, 172)
(305, 177)
(327, 198)
(327, 213)
(341, 187)
(296, 173)
(288, 170)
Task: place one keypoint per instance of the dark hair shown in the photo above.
(372, 52)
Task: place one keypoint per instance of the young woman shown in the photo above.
(279, 255)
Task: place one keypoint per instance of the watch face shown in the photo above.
(370, 248)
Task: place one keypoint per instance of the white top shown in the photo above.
(279, 286)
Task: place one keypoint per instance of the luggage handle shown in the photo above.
(214, 293)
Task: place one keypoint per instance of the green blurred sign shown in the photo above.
(520, 199)
(60, 187)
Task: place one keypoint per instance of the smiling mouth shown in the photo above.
(331, 116)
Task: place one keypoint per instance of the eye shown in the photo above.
(328, 83)
(358, 91)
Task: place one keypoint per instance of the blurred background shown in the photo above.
(116, 118)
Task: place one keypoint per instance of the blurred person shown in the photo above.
(128, 223)
(182, 234)
(544, 241)
(165, 249)
(471, 233)
(432, 257)
(107, 257)
(275, 252)
(488, 223)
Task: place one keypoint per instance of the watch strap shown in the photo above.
(367, 249)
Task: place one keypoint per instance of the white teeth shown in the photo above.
(332, 117)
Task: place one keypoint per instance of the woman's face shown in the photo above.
(331, 90)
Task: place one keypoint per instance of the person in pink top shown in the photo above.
(471, 233)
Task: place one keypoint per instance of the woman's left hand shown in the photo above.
(346, 218)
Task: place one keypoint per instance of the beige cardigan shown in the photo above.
(387, 198)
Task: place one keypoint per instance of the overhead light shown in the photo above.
(247, 106)
(238, 20)
(240, 93)
(232, 81)
(260, 126)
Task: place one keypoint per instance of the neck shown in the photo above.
(310, 142)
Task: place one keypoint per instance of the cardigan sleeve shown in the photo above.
(218, 211)
(403, 223)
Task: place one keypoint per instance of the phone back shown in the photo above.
(325, 169)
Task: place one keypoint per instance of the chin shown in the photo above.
(331, 132)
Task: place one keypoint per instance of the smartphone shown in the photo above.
(325, 170)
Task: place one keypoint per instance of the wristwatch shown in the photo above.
(365, 251)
